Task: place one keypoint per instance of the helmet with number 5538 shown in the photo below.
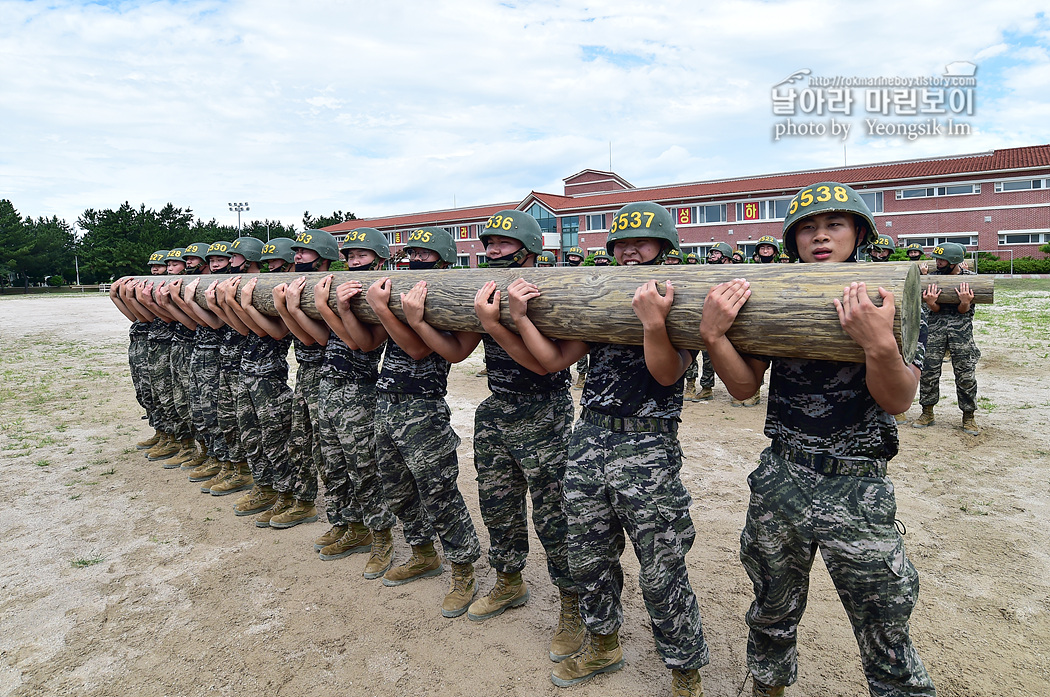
(827, 197)
(646, 219)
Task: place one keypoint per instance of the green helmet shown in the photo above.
(544, 258)
(646, 219)
(578, 251)
(175, 255)
(278, 248)
(248, 247)
(197, 249)
(220, 248)
(722, 247)
(826, 197)
(691, 258)
(884, 242)
(158, 258)
(914, 247)
(674, 254)
(602, 254)
(320, 241)
(367, 238)
(951, 252)
(436, 239)
(517, 226)
(784, 257)
(768, 239)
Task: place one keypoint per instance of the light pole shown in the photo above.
(239, 207)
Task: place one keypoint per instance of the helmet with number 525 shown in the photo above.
(827, 197)
(646, 219)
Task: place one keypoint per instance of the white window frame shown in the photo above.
(1033, 185)
(937, 191)
(1042, 236)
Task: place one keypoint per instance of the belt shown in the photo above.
(630, 424)
(831, 466)
(401, 397)
(521, 398)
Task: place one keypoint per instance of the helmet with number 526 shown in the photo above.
(827, 197)
(646, 219)
(951, 252)
(436, 239)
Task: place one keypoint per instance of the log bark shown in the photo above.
(983, 287)
(790, 312)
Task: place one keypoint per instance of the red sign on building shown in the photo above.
(751, 211)
(685, 216)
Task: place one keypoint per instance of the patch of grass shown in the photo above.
(74, 497)
(975, 507)
(82, 562)
(986, 404)
(42, 463)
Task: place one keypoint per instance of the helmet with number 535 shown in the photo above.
(828, 197)
(646, 219)
(436, 239)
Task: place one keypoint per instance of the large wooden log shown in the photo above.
(790, 311)
(983, 287)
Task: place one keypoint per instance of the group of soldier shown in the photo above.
(368, 416)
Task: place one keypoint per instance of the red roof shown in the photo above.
(451, 215)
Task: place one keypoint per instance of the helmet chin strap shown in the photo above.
(511, 261)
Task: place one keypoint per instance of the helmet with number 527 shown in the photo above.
(320, 241)
(827, 197)
(646, 219)
(436, 239)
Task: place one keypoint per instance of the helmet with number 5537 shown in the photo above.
(436, 239)
(646, 219)
(827, 197)
(517, 226)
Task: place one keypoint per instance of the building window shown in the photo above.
(954, 190)
(695, 215)
(873, 199)
(463, 260)
(596, 221)
(480, 258)
(1024, 237)
(570, 231)
(966, 239)
(1022, 185)
(752, 210)
(548, 223)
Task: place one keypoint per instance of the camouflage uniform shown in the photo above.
(231, 385)
(416, 451)
(204, 390)
(822, 485)
(299, 477)
(138, 360)
(707, 377)
(264, 407)
(952, 331)
(159, 359)
(623, 474)
(521, 436)
(181, 378)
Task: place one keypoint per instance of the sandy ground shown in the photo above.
(120, 578)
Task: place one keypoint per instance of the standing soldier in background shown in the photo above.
(882, 248)
(767, 250)
(951, 328)
(673, 258)
(691, 258)
(914, 251)
(545, 259)
(602, 258)
(574, 256)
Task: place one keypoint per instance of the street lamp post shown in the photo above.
(239, 207)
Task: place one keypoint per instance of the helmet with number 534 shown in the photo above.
(827, 197)
(646, 219)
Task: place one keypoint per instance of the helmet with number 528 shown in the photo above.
(646, 219)
(436, 239)
(827, 197)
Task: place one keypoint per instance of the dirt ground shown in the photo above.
(121, 578)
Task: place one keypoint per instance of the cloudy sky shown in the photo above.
(388, 107)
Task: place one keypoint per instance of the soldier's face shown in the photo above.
(158, 269)
(425, 255)
(497, 246)
(305, 256)
(176, 267)
(636, 250)
(217, 264)
(879, 254)
(826, 237)
(914, 254)
(358, 258)
(714, 257)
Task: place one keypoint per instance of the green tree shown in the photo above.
(15, 245)
(118, 242)
(323, 221)
(268, 229)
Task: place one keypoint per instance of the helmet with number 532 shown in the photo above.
(646, 219)
(827, 197)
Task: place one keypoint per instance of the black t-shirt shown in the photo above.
(401, 374)
(345, 363)
(159, 330)
(507, 376)
(265, 356)
(620, 384)
(307, 353)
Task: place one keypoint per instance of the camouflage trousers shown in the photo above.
(231, 385)
(617, 482)
(416, 451)
(204, 394)
(707, 377)
(138, 362)
(299, 478)
(958, 338)
(159, 360)
(181, 378)
(581, 365)
(793, 512)
(264, 417)
(691, 372)
(520, 446)
(349, 415)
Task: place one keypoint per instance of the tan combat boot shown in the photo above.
(581, 380)
(969, 424)
(300, 512)
(601, 654)
(705, 394)
(187, 451)
(760, 689)
(208, 469)
(333, 535)
(149, 442)
(568, 639)
(382, 555)
(200, 455)
(283, 503)
(689, 394)
(260, 499)
(751, 401)
(226, 470)
(901, 418)
(510, 591)
(686, 683)
(461, 592)
(238, 480)
(926, 419)
(355, 540)
(164, 449)
(423, 563)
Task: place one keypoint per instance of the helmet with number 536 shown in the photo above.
(646, 219)
(827, 197)
(517, 226)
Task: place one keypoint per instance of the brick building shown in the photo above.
(995, 202)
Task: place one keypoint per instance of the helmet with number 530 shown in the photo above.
(646, 219)
(827, 197)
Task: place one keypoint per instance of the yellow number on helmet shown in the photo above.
(806, 197)
(649, 218)
(840, 194)
(823, 194)
(508, 223)
(794, 206)
(636, 218)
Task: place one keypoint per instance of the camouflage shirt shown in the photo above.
(208, 338)
(181, 334)
(231, 348)
(159, 330)
(825, 407)
(345, 363)
(401, 374)
(266, 357)
(507, 376)
(949, 317)
(307, 353)
(620, 384)
(139, 328)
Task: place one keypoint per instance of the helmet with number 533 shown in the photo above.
(827, 197)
